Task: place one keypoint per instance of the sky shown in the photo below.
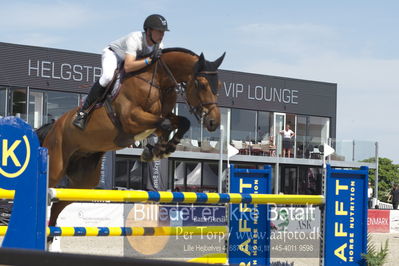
(354, 44)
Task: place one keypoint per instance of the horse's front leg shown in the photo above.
(163, 148)
(183, 125)
(155, 151)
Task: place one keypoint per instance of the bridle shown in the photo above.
(180, 88)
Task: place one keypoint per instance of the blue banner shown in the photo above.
(249, 225)
(346, 216)
(23, 168)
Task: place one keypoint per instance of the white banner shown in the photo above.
(92, 214)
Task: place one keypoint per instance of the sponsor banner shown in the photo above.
(23, 168)
(394, 221)
(295, 232)
(249, 224)
(181, 246)
(92, 214)
(346, 216)
(378, 221)
(192, 215)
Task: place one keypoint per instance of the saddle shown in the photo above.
(111, 92)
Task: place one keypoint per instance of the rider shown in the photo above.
(137, 49)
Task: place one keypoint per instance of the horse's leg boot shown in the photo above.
(147, 155)
(81, 117)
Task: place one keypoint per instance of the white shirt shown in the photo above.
(287, 133)
(370, 192)
(135, 43)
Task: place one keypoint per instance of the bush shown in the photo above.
(374, 257)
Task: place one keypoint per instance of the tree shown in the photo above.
(388, 174)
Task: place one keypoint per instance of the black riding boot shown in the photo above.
(81, 117)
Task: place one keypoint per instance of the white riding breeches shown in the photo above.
(109, 61)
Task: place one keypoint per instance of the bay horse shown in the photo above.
(143, 106)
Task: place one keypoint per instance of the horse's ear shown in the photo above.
(201, 63)
(219, 61)
(202, 57)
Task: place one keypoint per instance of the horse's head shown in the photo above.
(202, 91)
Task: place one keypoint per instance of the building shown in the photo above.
(39, 84)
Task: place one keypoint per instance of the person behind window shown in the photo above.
(287, 134)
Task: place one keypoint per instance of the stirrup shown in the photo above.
(80, 120)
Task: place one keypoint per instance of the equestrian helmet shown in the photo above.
(156, 22)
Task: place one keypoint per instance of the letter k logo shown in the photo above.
(10, 153)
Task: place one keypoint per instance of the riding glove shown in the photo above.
(156, 54)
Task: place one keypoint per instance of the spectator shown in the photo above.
(288, 134)
(395, 196)
(370, 196)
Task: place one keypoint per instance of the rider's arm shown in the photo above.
(131, 64)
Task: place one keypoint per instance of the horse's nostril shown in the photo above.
(212, 124)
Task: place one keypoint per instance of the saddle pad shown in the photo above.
(116, 86)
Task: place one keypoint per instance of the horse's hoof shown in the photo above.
(170, 149)
(166, 125)
(147, 155)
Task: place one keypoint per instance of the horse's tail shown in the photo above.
(43, 131)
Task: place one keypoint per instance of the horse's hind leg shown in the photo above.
(83, 172)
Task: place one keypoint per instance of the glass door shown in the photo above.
(35, 115)
(3, 102)
(279, 125)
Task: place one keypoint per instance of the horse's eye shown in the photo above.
(198, 84)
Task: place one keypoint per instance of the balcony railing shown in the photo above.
(305, 147)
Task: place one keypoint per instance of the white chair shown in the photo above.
(237, 144)
(213, 143)
(194, 145)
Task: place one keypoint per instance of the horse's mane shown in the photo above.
(178, 49)
(164, 51)
(43, 131)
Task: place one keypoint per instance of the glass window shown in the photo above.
(210, 177)
(243, 125)
(310, 181)
(187, 176)
(289, 180)
(302, 141)
(311, 132)
(58, 103)
(264, 126)
(18, 102)
(195, 128)
(319, 128)
(196, 176)
(45, 106)
(3, 102)
(128, 173)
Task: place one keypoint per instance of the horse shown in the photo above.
(143, 106)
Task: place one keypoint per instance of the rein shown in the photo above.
(180, 89)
